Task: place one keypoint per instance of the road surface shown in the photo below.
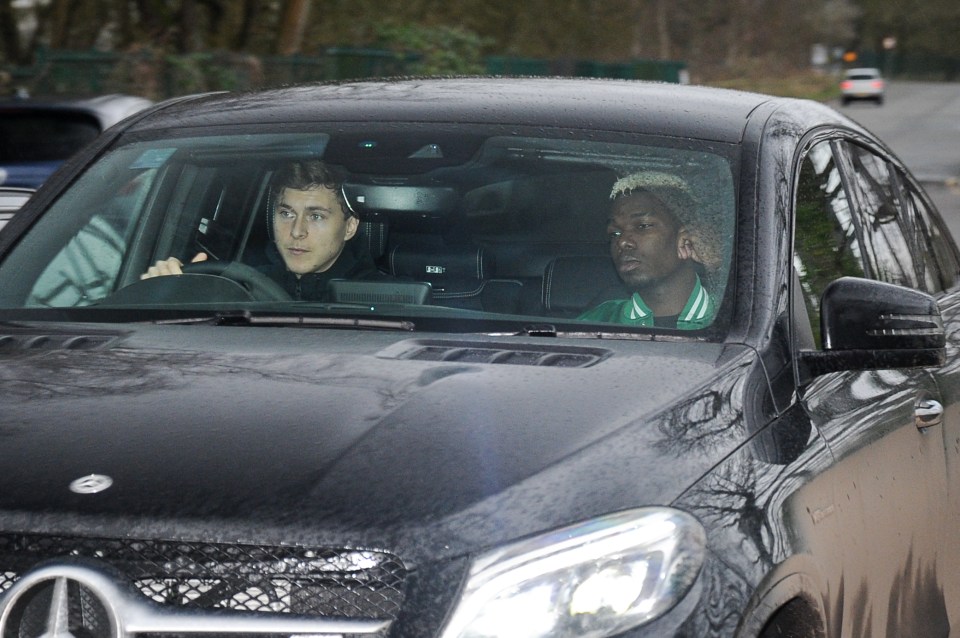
(920, 121)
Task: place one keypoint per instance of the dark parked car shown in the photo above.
(573, 358)
(38, 135)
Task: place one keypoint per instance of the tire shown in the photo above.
(794, 620)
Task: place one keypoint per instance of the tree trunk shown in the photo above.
(293, 23)
(244, 37)
(9, 35)
(191, 38)
(663, 29)
(60, 22)
(126, 33)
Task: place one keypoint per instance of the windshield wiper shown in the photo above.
(247, 318)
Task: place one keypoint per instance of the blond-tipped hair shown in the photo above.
(671, 189)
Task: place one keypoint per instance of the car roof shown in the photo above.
(862, 71)
(106, 109)
(617, 105)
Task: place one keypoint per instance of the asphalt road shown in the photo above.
(920, 121)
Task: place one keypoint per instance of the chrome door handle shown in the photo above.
(927, 412)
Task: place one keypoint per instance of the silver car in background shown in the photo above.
(862, 84)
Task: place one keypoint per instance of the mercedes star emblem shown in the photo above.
(91, 484)
(59, 602)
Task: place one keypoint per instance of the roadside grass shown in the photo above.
(814, 86)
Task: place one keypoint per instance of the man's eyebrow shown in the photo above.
(632, 215)
(308, 209)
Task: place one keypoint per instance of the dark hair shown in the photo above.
(307, 175)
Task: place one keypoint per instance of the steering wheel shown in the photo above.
(260, 286)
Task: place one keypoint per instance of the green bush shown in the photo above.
(440, 50)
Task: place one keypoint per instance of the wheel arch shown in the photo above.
(791, 601)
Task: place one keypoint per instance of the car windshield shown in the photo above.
(464, 225)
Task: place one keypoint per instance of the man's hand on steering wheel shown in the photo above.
(170, 266)
(258, 285)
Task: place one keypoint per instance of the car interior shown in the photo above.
(502, 224)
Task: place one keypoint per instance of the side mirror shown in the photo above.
(869, 325)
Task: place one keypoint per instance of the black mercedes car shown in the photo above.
(480, 358)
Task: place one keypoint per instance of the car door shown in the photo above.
(939, 276)
(889, 476)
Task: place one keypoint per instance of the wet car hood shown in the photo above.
(333, 432)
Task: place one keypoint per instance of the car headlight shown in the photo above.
(592, 579)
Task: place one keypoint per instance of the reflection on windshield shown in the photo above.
(437, 221)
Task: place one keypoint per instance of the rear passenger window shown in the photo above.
(887, 229)
(935, 254)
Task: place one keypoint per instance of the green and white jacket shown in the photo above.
(697, 313)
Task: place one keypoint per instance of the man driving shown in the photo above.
(310, 224)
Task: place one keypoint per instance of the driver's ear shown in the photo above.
(352, 225)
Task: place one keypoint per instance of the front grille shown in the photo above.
(339, 583)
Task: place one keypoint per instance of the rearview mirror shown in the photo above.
(868, 325)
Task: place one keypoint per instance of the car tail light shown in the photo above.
(878, 84)
(846, 84)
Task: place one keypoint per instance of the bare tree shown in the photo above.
(12, 48)
(834, 24)
(663, 29)
(249, 12)
(293, 24)
(190, 35)
(712, 36)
